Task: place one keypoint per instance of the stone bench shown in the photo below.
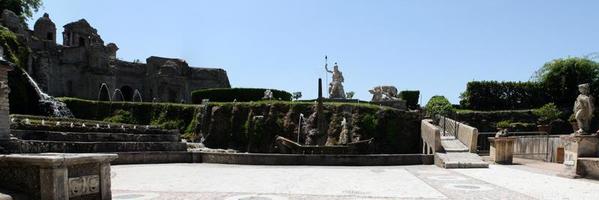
(57, 175)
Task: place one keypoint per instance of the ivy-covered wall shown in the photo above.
(252, 126)
(23, 99)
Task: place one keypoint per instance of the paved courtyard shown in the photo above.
(232, 182)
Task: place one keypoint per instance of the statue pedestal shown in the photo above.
(577, 147)
(399, 104)
(502, 149)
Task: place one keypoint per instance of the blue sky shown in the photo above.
(432, 46)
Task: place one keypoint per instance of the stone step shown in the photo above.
(451, 144)
(459, 160)
(131, 129)
(92, 136)
(38, 146)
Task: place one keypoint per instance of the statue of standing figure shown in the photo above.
(583, 109)
(336, 90)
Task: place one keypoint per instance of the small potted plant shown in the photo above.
(503, 125)
(546, 114)
(503, 128)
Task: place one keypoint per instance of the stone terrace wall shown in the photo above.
(252, 127)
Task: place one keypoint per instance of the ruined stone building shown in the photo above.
(79, 66)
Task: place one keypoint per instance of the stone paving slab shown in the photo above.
(536, 185)
(233, 182)
(295, 181)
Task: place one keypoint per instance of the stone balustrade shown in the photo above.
(431, 137)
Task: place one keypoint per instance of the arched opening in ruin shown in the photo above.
(127, 93)
(172, 96)
(81, 41)
(70, 88)
(49, 36)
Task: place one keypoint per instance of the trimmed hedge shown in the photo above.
(486, 121)
(411, 97)
(165, 115)
(238, 94)
(493, 95)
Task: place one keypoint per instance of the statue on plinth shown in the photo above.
(583, 109)
(336, 90)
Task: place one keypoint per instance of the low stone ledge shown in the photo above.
(301, 159)
(154, 157)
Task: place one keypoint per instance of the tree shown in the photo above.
(439, 105)
(350, 94)
(23, 8)
(561, 78)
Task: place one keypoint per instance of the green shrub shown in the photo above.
(547, 113)
(238, 94)
(439, 105)
(493, 95)
(411, 97)
(504, 124)
(121, 116)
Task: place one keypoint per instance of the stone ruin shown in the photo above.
(79, 66)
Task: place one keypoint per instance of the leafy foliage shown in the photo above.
(23, 98)
(439, 105)
(350, 94)
(238, 94)
(23, 8)
(493, 95)
(547, 113)
(561, 78)
(504, 124)
(121, 116)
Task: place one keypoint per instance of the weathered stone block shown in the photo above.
(57, 175)
(576, 147)
(502, 149)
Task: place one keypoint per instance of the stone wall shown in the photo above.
(79, 66)
(253, 127)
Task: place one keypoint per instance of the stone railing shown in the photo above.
(468, 135)
(431, 137)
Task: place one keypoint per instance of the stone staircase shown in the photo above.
(457, 155)
(89, 137)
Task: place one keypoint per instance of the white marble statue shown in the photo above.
(583, 109)
(267, 95)
(336, 90)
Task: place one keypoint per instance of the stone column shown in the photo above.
(5, 66)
